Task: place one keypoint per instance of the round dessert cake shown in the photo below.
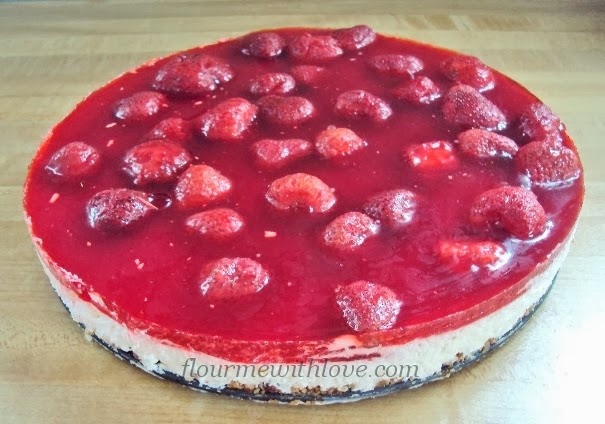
(305, 215)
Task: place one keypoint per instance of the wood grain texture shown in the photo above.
(53, 53)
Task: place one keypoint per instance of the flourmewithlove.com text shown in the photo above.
(192, 369)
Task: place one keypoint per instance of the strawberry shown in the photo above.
(231, 278)
(139, 106)
(218, 224)
(201, 185)
(309, 47)
(393, 208)
(115, 209)
(469, 254)
(548, 164)
(264, 45)
(228, 121)
(338, 142)
(155, 161)
(469, 70)
(192, 75)
(420, 90)
(465, 106)
(278, 153)
(368, 306)
(361, 104)
(396, 65)
(272, 83)
(74, 160)
(349, 231)
(514, 209)
(286, 111)
(538, 122)
(171, 129)
(301, 191)
(307, 74)
(354, 38)
(483, 144)
(432, 156)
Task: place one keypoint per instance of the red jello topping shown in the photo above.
(248, 233)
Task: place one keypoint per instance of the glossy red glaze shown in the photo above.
(298, 303)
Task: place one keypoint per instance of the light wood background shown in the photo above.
(53, 53)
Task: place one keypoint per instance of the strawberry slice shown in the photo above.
(335, 142)
(309, 47)
(228, 121)
(432, 156)
(539, 123)
(469, 70)
(74, 160)
(171, 129)
(217, 224)
(466, 255)
(155, 161)
(272, 83)
(465, 106)
(286, 111)
(278, 153)
(514, 209)
(349, 231)
(548, 164)
(116, 209)
(264, 45)
(201, 185)
(354, 38)
(368, 306)
(301, 191)
(307, 74)
(361, 104)
(393, 208)
(483, 144)
(396, 65)
(140, 106)
(192, 75)
(232, 278)
(421, 90)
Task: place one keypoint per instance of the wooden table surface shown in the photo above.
(53, 53)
